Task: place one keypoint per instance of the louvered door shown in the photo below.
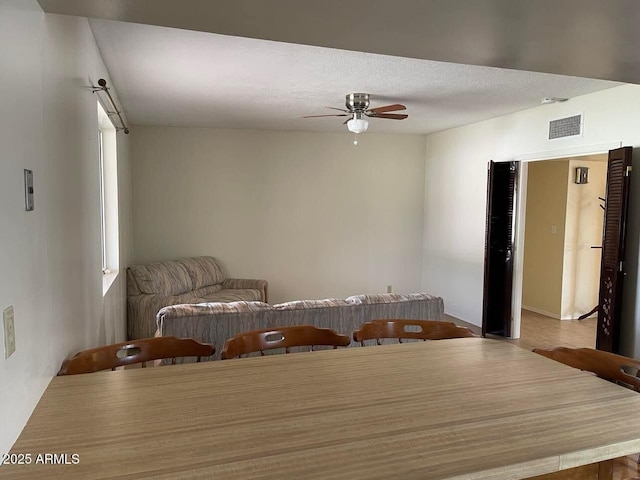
(498, 260)
(613, 241)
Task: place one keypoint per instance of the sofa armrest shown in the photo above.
(142, 311)
(240, 283)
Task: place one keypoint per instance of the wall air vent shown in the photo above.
(565, 127)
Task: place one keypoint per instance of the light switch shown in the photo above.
(554, 229)
(28, 190)
(9, 332)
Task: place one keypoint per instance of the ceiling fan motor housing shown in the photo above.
(357, 102)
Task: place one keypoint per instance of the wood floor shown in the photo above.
(540, 331)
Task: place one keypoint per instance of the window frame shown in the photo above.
(108, 198)
(103, 213)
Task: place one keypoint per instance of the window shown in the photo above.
(108, 181)
(103, 221)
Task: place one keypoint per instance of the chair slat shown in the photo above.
(609, 366)
(402, 329)
(135, 351)
(285, 338)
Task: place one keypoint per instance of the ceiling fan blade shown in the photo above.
(392, 116)
(332, 115)
(339, 109)
(388, 108)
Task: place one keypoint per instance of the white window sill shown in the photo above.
(107, 280)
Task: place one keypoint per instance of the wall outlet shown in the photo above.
(9, 332)
(389, 289)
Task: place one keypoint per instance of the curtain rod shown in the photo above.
(103, 88)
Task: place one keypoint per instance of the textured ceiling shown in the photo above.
(167, 76)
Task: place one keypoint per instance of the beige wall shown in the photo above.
(310, 212)
(544, 237)
(581, 268)
(50, 258)
(561, 271)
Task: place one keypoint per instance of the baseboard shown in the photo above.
(541, 312)
(577, 317)
(463, 323)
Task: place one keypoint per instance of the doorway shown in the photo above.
(504, 245)
(563, 215)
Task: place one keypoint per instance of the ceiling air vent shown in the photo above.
(565, 127)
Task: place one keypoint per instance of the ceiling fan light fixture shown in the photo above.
(357, 110)
(358, 125)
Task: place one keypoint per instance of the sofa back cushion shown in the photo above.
(164, 278)
(377, 298)
(304, 304)
(212, 308)
(203, 271)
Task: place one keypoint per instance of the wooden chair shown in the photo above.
(409, 329)
(612, 367)
(282, 337)
(135, 351)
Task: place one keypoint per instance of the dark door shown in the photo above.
(612, 265)
(498, 248)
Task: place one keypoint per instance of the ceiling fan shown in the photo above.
(358, 110)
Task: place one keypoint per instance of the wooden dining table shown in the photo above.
(469, 408)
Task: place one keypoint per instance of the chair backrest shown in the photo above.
(282, 337)
(135, 351)
(612, 367)
(409, 329)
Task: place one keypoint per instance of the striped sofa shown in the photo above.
(215, 322)
(191, 280)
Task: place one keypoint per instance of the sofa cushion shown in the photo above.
(164, 278)
(420, 296)
(210, 308)
(303, 304)
(208, 290)
(377, 298)
(231, 295)
(203, 271)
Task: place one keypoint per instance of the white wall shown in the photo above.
(455, 193)
(310, 212)
(50, 258)
(581, 264)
